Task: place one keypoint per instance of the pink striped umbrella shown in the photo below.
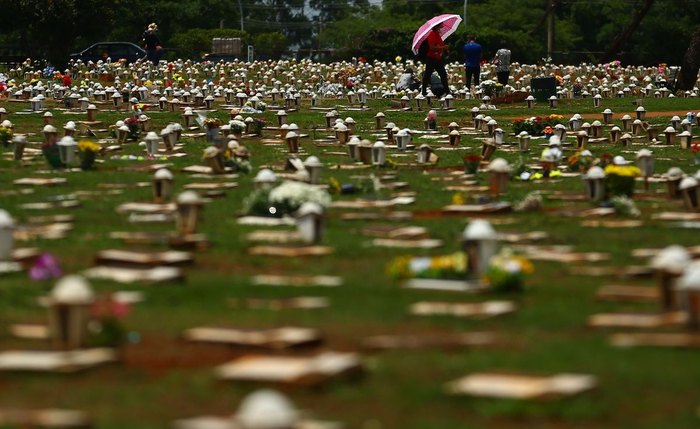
(450, 23)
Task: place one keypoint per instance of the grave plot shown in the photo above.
(430, 229)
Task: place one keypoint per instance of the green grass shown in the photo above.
(640, 388)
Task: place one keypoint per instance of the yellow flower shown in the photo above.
(399, 268)
(88, 146)
(398, 59)
(525, 265)
(622, 170)
(334, 185)
(457, 199)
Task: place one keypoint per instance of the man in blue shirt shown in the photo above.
(472, 61)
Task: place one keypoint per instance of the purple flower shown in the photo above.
(45, 268)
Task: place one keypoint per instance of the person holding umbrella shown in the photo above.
(428, 44)
(433, 59)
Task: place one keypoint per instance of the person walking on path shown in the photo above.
(472, 61)
(151, 43)
(502, 62)
(433, 59)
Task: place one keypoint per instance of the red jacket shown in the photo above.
(434, 39)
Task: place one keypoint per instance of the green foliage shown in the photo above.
(270, 45)
(196, 42)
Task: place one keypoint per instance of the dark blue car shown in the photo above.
(114, 50)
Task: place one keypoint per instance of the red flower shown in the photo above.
(67, 81)
(107, 307)
(695, 147)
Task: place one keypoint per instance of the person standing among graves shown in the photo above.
(502, 62)
(407, 81)
(472, 61)
(433, 59)
(151, 43)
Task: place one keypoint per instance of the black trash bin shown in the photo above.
(543, 87)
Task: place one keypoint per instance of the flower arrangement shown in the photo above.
(605, 159)
(5, 135)
(452, 266)
(211, 123)
(52, 155)
(536, 125)
(548, 131)
(87, 151)
(694, 148)
(531, 203)
(507, 271)
(471, 163)
(488, 87)
(239, 165)
(257, 126)
(238, 160)
(237, 127)
(498, 89)
(108, 330)
(134, 128)
(624, 206)
(284, 199)
(530, 176)
(370, 184)
(294, 194)
(580, 162)
(620, 179)
(45, 267)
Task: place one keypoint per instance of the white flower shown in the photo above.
(237, 126)
(297, 193)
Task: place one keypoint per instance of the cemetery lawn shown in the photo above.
(163, 378)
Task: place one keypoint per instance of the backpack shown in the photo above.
(423, 49)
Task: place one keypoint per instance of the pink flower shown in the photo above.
(45, 268)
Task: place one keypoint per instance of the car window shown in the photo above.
(94, 50)
(118, 51)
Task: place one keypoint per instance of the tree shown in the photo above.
(691, 64)
(270, 45)
(623, 37)
(198, 41)
(287, 17)
(49, 29)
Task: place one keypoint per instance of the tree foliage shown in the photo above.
(270, 45)
(196, 42)
(584, 29)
